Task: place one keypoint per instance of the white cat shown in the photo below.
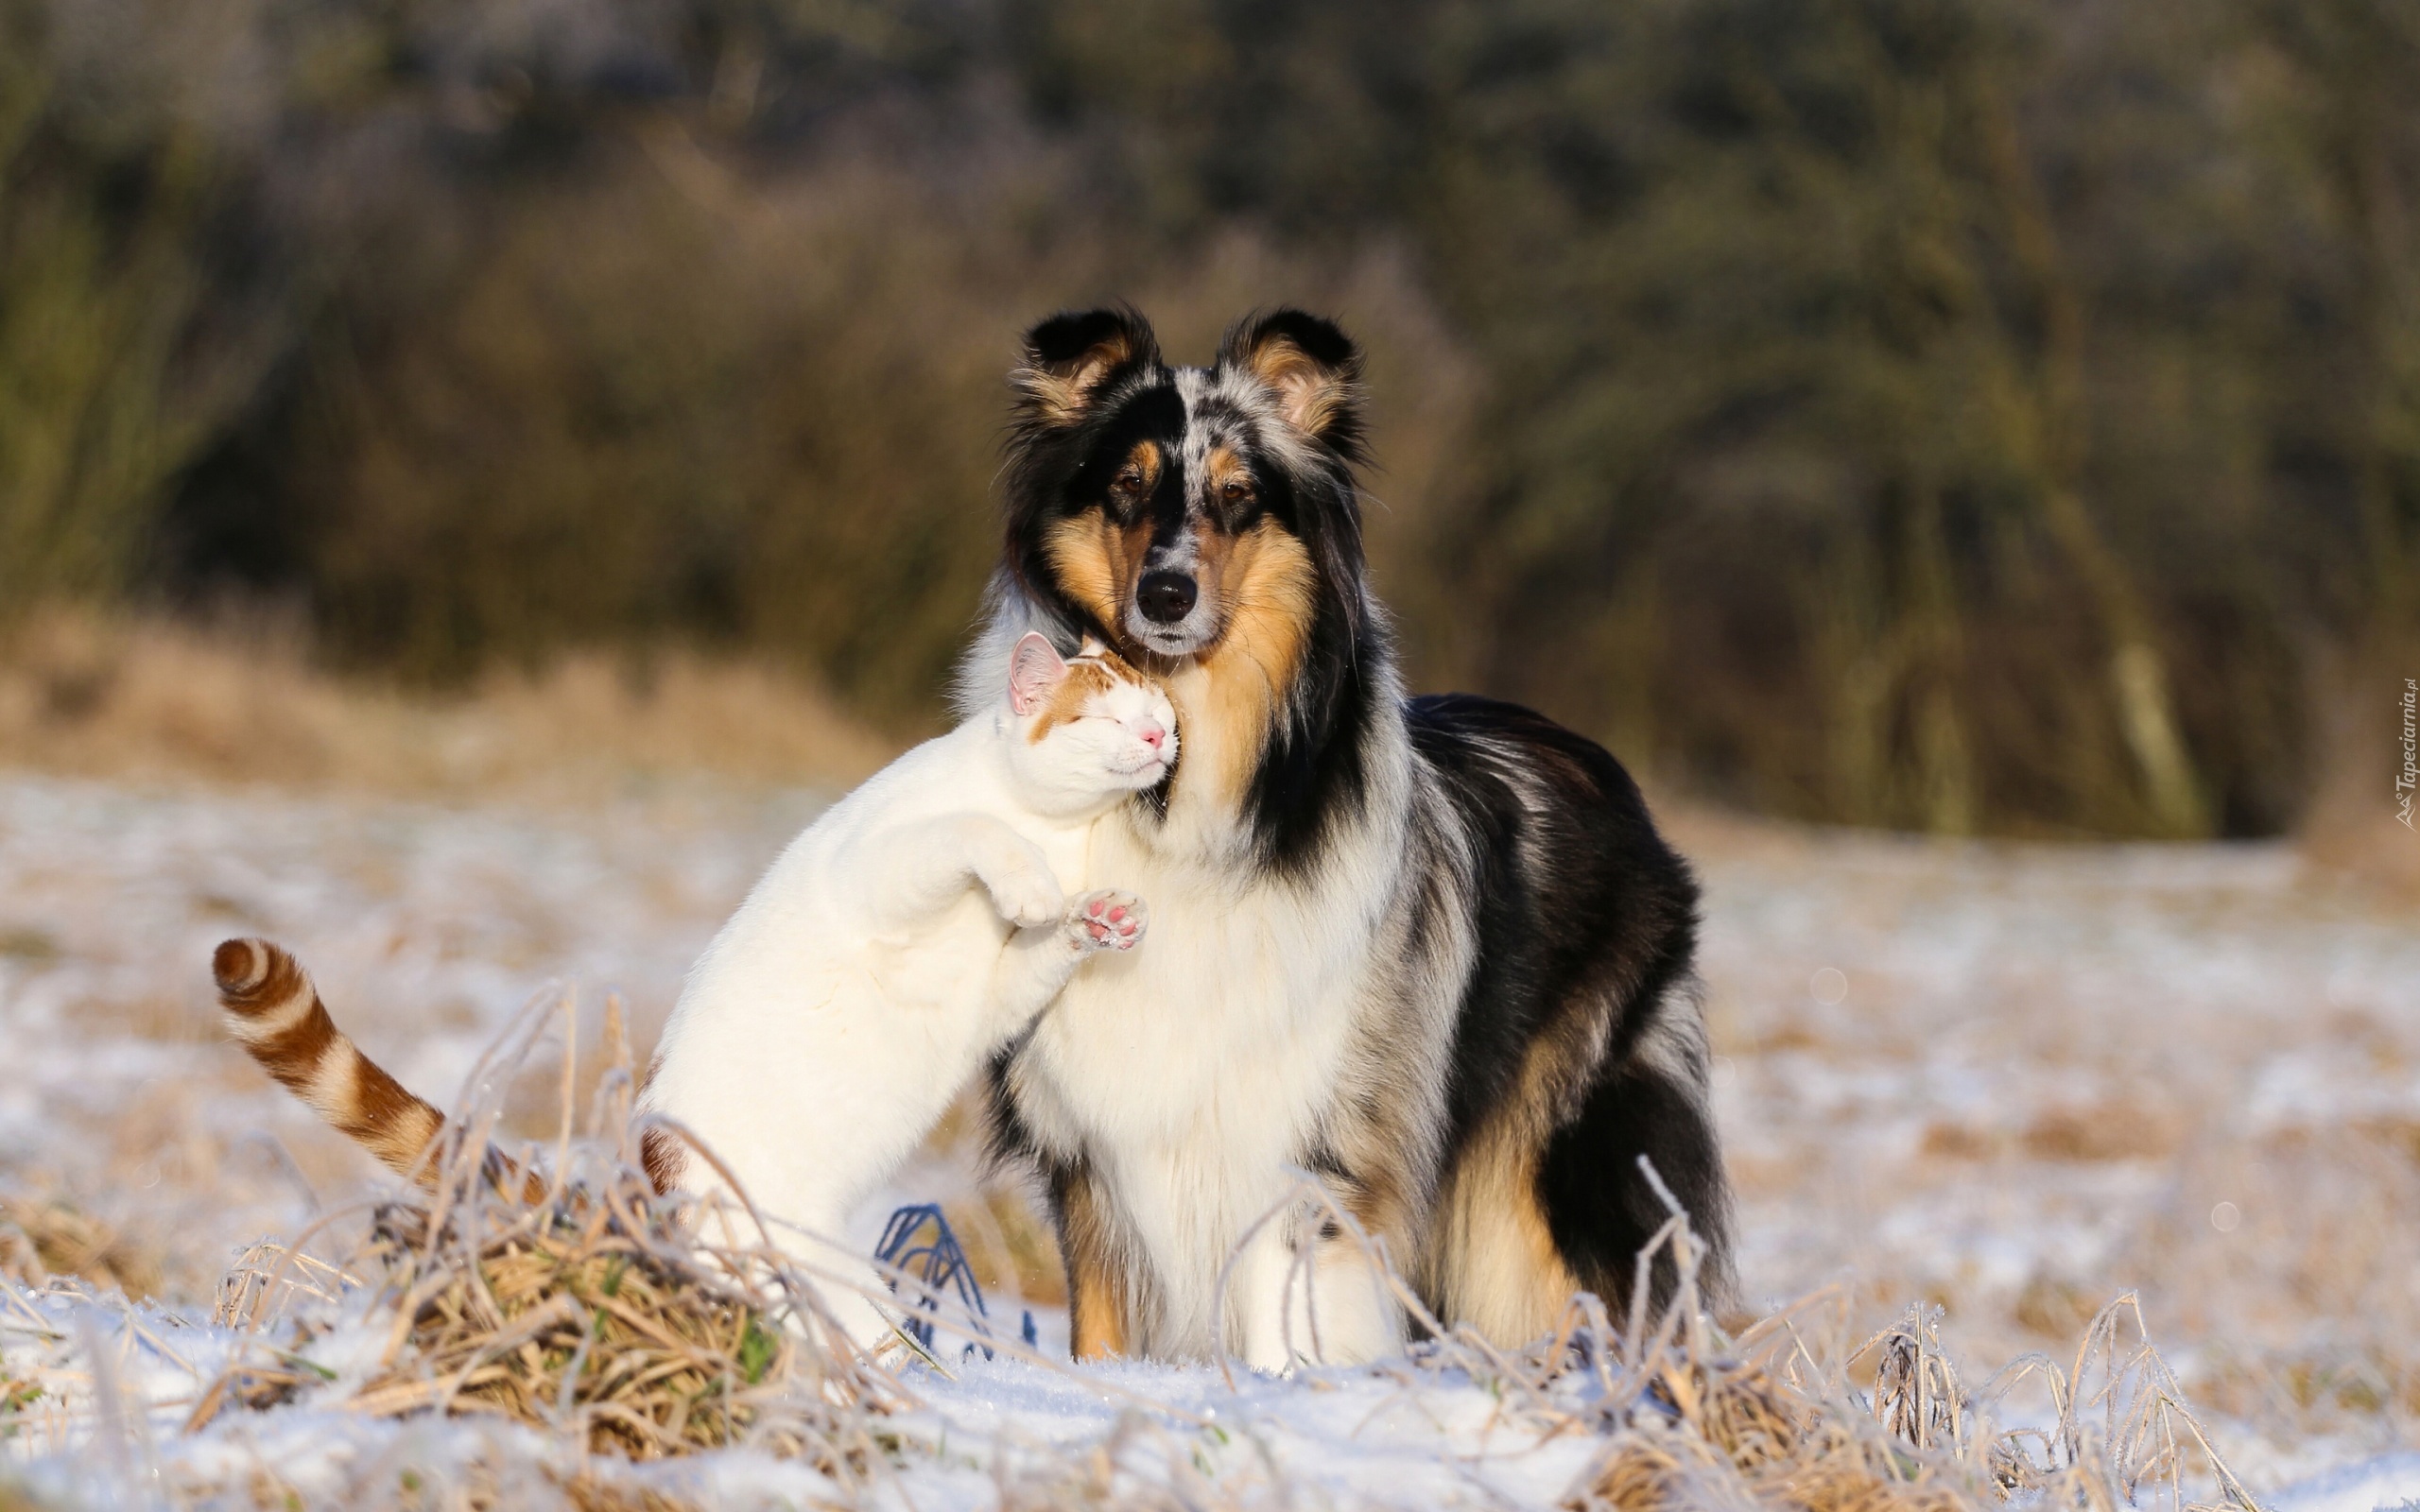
(912, 931)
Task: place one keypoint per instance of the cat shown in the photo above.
(910, 933)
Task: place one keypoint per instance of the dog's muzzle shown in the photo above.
(1166, 599)
(1172, 612)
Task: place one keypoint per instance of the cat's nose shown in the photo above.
(1152, 735)
(1166, 598)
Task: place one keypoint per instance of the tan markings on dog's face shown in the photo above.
(1095, 651)
(1229, 480)
(1091, 564)
(1138, 476)
(1094, 558)
(1266, 588)
(1085, 681)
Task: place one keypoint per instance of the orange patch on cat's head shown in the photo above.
(1084, 680)
(1096, 670)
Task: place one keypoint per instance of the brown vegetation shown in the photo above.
(2107, 1131)
(1964, 417)
(148, 699)
(588, 1304)
(41, 1238)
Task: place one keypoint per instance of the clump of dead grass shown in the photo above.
(1768, 1420)
(1792, 1414)
(1788, 1414)
(588, 1311)
(581, 1303)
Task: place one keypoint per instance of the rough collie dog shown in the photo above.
(1431, 950)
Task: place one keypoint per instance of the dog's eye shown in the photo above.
(1128, 482)
(1236, 491)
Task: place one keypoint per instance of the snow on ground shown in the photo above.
(2013, 1081)
(1337, 1437)
(2035, 1077)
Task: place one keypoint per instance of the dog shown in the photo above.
(1431, 951)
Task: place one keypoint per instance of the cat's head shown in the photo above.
(1083, 732)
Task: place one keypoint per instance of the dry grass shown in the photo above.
(2113, 1131)
(41, 1238)
(581, 1305)
(1785, 1417)
(585, 1305)
(1790, 1415)
(586, 1312)
(148, 699)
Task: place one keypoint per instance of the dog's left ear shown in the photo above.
(1314, 368)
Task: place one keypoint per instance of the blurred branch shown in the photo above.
(2137, 674)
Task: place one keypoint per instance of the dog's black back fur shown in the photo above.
(1577, 901)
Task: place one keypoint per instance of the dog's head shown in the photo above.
(1169, 510)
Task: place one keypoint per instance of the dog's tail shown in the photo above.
(276, 1012)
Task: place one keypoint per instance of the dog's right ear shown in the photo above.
(1069, 356)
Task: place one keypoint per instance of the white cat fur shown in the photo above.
(912, 930)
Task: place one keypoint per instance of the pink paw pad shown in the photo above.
(1110, 920)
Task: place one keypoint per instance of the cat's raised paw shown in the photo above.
(1027, 897)
(1108, 921)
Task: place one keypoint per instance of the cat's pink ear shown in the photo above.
(1035, 671)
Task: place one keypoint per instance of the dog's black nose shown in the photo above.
(1166, 598)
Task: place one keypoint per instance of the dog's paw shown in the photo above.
(1027, 897)
(1108, 921)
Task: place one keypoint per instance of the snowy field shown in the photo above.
(2012, 1082)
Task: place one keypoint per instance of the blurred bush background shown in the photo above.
(1945, 414)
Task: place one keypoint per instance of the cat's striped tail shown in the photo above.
(273, 1008)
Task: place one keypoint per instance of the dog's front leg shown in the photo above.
(1329, 1308)
(1100, 1284)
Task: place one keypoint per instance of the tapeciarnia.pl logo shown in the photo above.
(2409, 779)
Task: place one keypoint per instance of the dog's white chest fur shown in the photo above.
(1193, 1073)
